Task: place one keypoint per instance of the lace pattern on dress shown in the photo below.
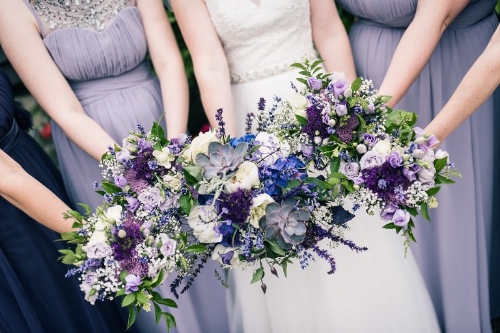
(263, 39)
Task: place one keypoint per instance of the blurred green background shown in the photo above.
(197, 119)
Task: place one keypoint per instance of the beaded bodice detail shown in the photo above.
(262, 39)
(78, 13)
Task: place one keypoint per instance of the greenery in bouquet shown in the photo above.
(372, 154)
(129, 245)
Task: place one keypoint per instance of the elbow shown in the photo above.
(209, 71)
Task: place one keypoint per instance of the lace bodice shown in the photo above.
(262, 39)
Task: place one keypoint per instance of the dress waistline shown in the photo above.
(8, 139)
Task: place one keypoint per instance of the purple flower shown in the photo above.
(371, 109)
(236, 206)
(136, 183)
(168, 245)
(395, 159)
(401, 217)
(338, 87)
(341, 109)
(307, 150)
(226, 257)
(151, 196)
(388, 212)
(371, 159)
(393, 182)
(121, 181)
(432, 141)
(314, 83)
(91, 278)
(350, 169)
(144, 144)
(369, 139)
(132, 283)
(411, 172)
(98, 250)
(132, 203)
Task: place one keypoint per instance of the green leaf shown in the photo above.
(294, 183)
(195, 171)
(284, 265)
(412, 211)
(191, 180)
(439, 164)
(157, 131)
(120, 292)
(298, 65)
(401, 118)
(305, 73)
(389, 226)
(410, 233)
(157, 312)
(167, 301)
(258, 275)
(131, 316)
(66, 252)
(316, 64)
(109, 187)
(185, 203)
(301, 80)
(326, 149)
(443, 180)
(433, 191)
(159, 279)
(196, 248)
(129, 299)
(301, 120)
(275, 248)
(141, 298)
(353, 100)
(356, 84)
(424, 210)
(170, 320)
(335, 165)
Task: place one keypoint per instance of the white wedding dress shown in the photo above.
(376, 291)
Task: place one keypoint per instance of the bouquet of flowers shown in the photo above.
(373, 154)
(258, 201)
(133, 240)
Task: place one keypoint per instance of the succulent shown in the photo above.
(285, 223)
(221, 159)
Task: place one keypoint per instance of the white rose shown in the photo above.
(246, 177)
(221, 250)
(271, 148)
(202, 220)
(258, 210)
(113, 214)
(371, 159)
(164, 157)
(382, 147)
(429, 156)
(98, 236)
(441, 154)
(172, 182)
(299, 103)
(199, 145)
(418, 153)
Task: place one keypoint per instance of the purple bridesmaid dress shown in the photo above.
(454, 250)
(112, 78)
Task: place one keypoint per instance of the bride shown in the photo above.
(241, 51)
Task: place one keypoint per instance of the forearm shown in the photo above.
(336, 51)
(30, 196)
(477, 85)
(175, 95)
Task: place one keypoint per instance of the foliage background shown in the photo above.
(197, 119)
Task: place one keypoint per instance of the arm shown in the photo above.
(43, 79)
(330, 38)
(477, 85)
(27, 194)
(168, 65)
(209, 60)
(417, 44)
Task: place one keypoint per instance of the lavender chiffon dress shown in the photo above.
(453, 251)
(111, 77)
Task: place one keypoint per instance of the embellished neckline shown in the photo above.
(93, 14)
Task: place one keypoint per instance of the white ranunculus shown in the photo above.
(246, 177)
(202, 220)
(222, 250)
(164, 157)
(258, 210)
(271, 148)
(382, 147)
(113, 214)
(299, 104)
(441, 154)
(199, 145)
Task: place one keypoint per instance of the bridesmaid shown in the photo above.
(418, 51)
(86, 64)
(34, 294)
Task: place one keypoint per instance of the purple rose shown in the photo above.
(401, 217)
(144, 144)
(432, 141)
(168, 245)
(151, 197)
(314, 83)
(369, 139)
(371, 109)
(132, 204)
(395, 159)
(121, 181)
(339, 87)
(388, 212)
(371, 159)
(350, 169)
(411, 172)
(341, 109)
(98, 250)
(357, 180)
(132, 283)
